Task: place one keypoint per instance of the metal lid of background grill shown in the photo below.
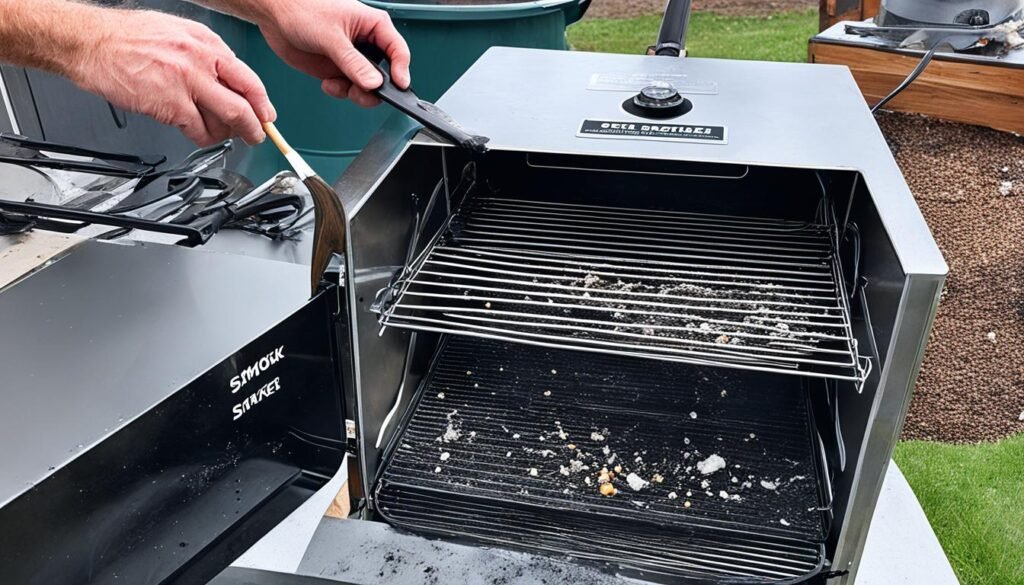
(727, 291)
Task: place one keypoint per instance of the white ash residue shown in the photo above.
(596, 436)
(445, 456)
(437, 469)
(672, 495)
(783, 522)
(453, 431)
(710, 465)
(1005, 187)
(1021, 415)
(1008, 34)
(991, 336)
(636, 483)
(440, 395)
(769, 485)
(693, 415)
(533, 471)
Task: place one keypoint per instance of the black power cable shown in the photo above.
(918, 70)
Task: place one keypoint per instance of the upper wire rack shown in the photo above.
(741, 292)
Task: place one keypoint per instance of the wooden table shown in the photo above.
(973, 89)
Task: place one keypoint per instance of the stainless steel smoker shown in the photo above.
(757, 264)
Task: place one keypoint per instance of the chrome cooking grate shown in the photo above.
(505, 442)
(728, 291)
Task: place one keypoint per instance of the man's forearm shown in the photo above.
(53, 35)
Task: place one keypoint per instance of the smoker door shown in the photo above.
(163, 409)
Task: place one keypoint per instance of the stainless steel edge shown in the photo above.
(914, 319)
(354, 187)
(371, 166)
(8, 106)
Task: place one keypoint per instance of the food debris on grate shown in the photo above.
(621, 423)
(625, 420)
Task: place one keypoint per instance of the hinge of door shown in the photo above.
(834, 574)
(352, 447)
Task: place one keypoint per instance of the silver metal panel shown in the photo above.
(377, 242)
(109, 330)
(914, 320)
(780, 114)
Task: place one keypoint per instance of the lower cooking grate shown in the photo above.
(741, 292)
(506, 444)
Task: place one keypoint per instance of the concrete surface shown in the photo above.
(901, 547)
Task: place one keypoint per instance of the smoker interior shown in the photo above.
(811, 414)
(506, 441)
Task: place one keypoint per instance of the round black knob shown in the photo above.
(658, 100)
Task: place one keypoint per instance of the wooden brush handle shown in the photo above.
(302, 168)
(276, 138)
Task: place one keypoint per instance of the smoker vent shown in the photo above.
(488, 454)
(728, 291)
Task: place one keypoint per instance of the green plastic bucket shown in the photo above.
(446, 37)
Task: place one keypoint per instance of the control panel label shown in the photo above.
(653, 131)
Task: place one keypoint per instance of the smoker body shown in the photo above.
(794, 135)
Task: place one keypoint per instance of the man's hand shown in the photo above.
(177, 71)
(318, 37)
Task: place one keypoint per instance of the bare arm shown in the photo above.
(175, 70)
(44, 33)
(318, 38)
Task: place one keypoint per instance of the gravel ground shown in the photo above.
(630, 8)
(969, 182)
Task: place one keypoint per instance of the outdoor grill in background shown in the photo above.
(665, 325)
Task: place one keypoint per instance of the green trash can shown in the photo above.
(446, 37)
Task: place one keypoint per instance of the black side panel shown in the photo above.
(70, 115)
(20, 95)
(176, 494)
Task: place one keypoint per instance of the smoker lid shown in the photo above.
(775, 114)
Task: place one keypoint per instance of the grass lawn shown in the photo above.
(782, 37)
(973, 496)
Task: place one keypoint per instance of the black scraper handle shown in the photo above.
(432, 117)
